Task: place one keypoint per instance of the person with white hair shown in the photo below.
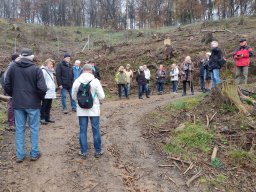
(87, 78)
(26, 85)
(216, 61)
(77, 71)
(142, 82)
(174, 74)
(187, 69)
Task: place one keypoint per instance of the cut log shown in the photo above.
(4, 98)
(217, 30)
(214, 153)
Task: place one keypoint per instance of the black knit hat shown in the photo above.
(242, 40)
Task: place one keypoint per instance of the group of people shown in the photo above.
(32, 90)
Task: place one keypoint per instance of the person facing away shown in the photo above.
(95, 70)
(242, 61)
(121, 80)
(174, 75)
(10, 111)
(26, 85)
(48, 71)
(77, 71)
(187, 69)
(142, 82)
(65, 79)
(147, 76)
(216, 61)
(93, 113)
(129, 74)
(160, 77)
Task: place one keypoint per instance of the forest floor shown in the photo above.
(129, 162)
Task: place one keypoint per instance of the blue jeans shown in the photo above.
(83, 123)
(21, 116)
(174, 86)
(128, 86)
(143, 88)
(63, 98)
(215, 76)
(160, 87)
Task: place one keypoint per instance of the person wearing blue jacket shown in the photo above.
(77, 70)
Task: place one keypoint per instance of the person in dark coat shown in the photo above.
(95, 69)
(142, 82)
(65, 79)
(205, 74)
(186, 72)
(26, 85)
(160, 78)
(216, 61)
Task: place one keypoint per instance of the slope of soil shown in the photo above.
(128, 164)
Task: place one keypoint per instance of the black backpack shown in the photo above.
(84, 96)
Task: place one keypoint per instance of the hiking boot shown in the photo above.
(140, 97)
(98, 155)
(74, 110)
(43, 122)
(184, 94)
(84, 155)
(35, 158)
(65, 111)
(50, 121)
(20, 160)
(148, 97)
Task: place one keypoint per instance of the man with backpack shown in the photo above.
(88, 92)
(26, 85)
(242, 61)
(65, 79)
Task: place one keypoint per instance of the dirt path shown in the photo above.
(128, 164)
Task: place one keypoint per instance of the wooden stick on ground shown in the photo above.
(165, 165)
(214, 153)
(196, 176)
(208, 122)
(212, 117)
(172, 181)
(190, 167)
(182, 161)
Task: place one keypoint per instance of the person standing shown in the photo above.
(142, 82)
(216, 61)
(187, 69)
(10, 110)
(174, 74)
(77, 71)
(242, 61)
(160, 76)
(147, 76)
(65, 79)
(205, 74)
(129, 74)
(121, 80)
(48, 70)
(95, 69)
(26, 85)
(93, 113)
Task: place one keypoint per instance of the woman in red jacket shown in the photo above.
(242, 61)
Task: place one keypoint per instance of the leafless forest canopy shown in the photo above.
(123, 14)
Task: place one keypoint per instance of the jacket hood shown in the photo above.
(66, 64)
(85, 78)
(24, 63)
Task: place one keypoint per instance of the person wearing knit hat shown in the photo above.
(26, 85)
(216, 61)
(65, 79)
(93, 113)
(121, 80)
(242, 61)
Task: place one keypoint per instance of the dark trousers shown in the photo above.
(10, 114)
(174, 86)
(120, 86)
(202, 83)
(45, 109)
(142, 89)
(190, 83)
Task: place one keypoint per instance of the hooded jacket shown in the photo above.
(215, 59)
(25, 83)
(95, 88)
(49, 80)
(64, 75)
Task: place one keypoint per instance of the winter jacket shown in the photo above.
(129, 75)
(96, 72)
(77, 71)
(174, 74)
(140, 78)
(64, 75)
(25, 83)
(95, 88)
(186, 71)
(160, 75)
(242, 56)
(121, 78)
(216, 59)
(147, 74)
(49, 80)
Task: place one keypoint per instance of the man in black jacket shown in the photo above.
(25, 83)
(65, 79)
